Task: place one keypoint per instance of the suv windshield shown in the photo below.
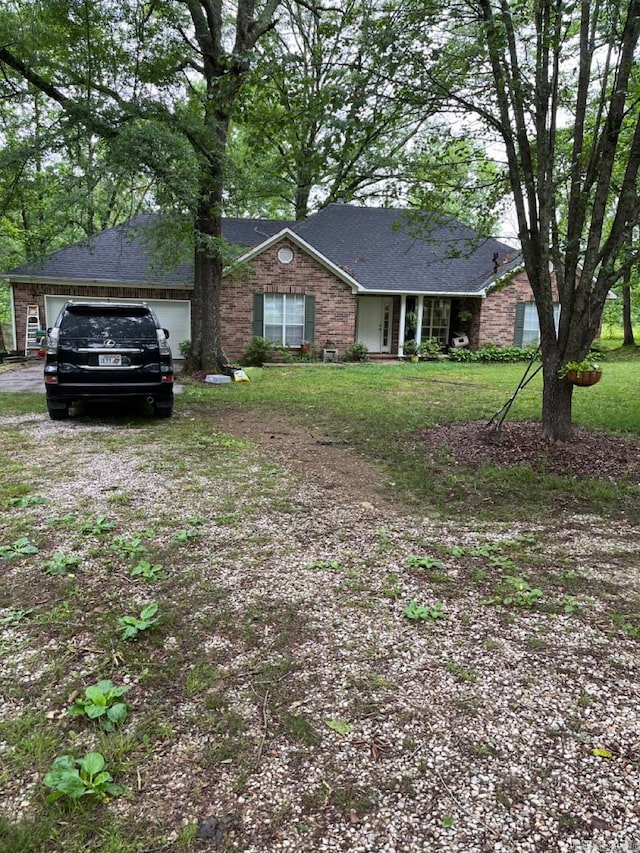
(107, 323)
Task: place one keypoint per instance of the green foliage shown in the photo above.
(146, 570)
(491, 353)
(430, 348)
(101, 702)
(424, 563)
(423, 613)
(128, 547)
(16, 616)
(588, 364)
(518, 592)
(60, 563)
(97, 526)
(329, 565)
(81, 777)
(339, 726)
(22, 547)
(184, 536)
(131, 626)
(259, 352)
(27, 501)
(356, 352)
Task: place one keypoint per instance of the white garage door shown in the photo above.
(173, 314)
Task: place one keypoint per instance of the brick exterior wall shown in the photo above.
(33, 294)
(493, 319)
(335, 304)
(494, 323)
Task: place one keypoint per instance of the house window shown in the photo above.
(529, 334)
(435, 320)
(284, 318)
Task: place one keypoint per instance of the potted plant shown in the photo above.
(584, 373)
(410, 348)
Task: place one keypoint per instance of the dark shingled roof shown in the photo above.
(381, 248)
(391, 250)
(124, 254)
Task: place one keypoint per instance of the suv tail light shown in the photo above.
(51, 343)
(165, 348)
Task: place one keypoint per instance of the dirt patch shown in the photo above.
(333, 464)
(330, 463)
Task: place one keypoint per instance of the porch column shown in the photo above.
(403, 314)
(420, 313)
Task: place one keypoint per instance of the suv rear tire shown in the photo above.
(163, 411)
(58, 414)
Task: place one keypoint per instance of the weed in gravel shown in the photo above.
(68, 521)
(81, 777)
(102, 702)
(127, 546)
(570, 605)
(516, 591)
(147, 571)
(15, 616)
(323, 565)
(391, 588)
(424, 563)
(202, 676)
(482, 749)
(469, 705)
(461, 672)
(26, 836)
(22, 547)
(120, 498)
(628, 623)
(61, 564)
(131, 626)
(423, 613)
(97, 526)
(26, 501)
(535, 643)
(298, 728)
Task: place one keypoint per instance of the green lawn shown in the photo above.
(376, 408)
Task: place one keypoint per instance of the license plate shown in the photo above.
(110, 360)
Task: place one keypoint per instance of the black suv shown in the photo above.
(105, 351)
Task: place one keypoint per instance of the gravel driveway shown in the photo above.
(329, 720)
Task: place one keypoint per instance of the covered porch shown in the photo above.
(386, 323)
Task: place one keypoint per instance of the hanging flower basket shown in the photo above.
(584, 373)
(583, 377)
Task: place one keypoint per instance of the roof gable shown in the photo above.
(385, 252)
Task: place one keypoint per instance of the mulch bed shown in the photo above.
(588, 454)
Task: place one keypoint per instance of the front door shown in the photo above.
(375, 314)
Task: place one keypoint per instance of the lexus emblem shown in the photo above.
(109, 343)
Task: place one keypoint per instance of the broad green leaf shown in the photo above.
(92, 763)
(117, 713)
(149, 611)
(339, 726)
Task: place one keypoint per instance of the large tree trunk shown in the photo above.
(206, 347)
(557, 396)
